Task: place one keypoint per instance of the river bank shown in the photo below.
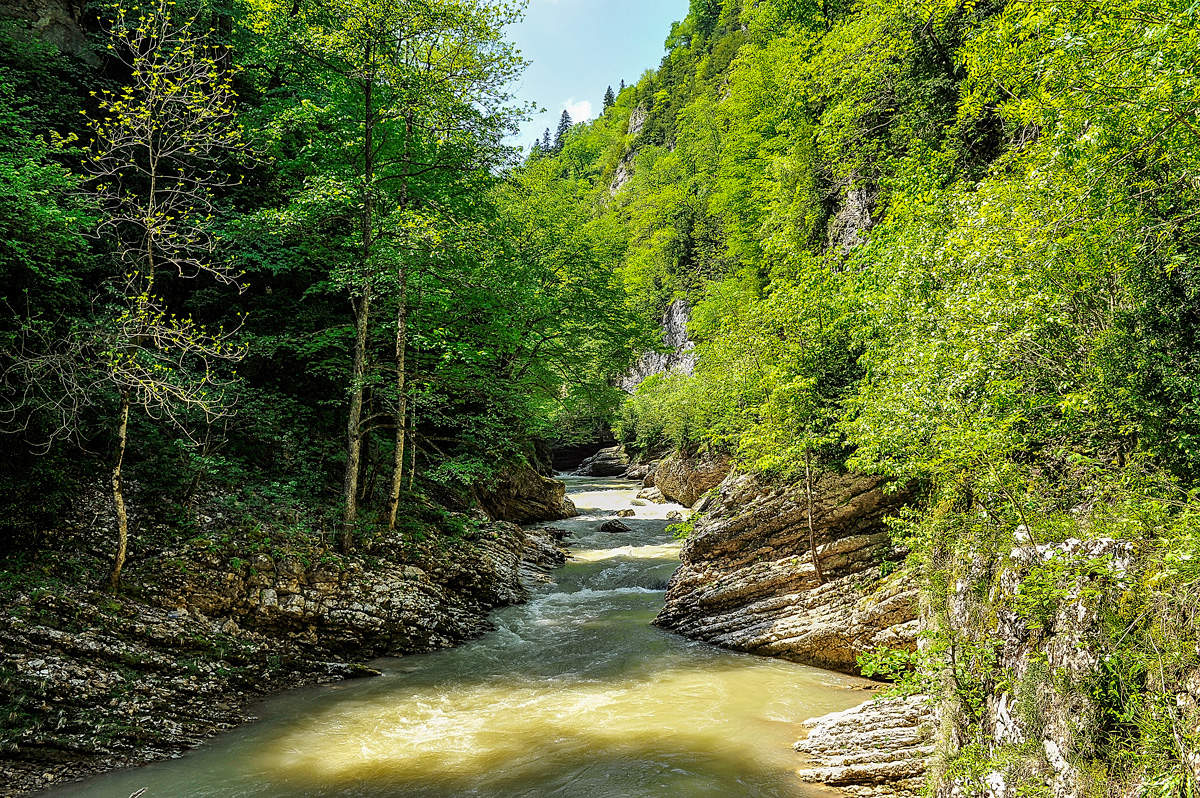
(574, 690)
(92, 681)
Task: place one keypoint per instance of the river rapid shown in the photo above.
(574, 694)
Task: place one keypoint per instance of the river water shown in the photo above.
(575, 694)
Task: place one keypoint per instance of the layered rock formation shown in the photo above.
(608, 462)
(879, 749)
(684, 480)
(747, 579)
(523, 496)
(93, 681)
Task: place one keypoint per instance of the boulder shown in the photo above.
(614, 526)
(875, 750)
(609, 462)
(686, 479)
(522, 496)
(652, 495)
(747, 579)
(625, 513)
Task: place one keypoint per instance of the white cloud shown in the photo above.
(580, 110)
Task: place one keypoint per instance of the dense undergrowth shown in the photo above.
(954, 243)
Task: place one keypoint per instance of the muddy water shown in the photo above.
(574, 694)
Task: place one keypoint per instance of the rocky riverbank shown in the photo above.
(91, 681)
(748, 580)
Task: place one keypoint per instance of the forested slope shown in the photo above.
(954, 244)
(269, 255)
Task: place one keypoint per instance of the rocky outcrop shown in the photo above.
(523, 496)
(747, 579)
(58, 22)
(685, 479)
(609, 462)
(94, 681)
(678, 355)
(1041, 615)
(879, 749)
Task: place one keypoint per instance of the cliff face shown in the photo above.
(680, 356)
(747, 579)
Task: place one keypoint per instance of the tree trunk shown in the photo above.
(119, 494)
(401, 351)
(812, 533)
(362, 316)
(401, 401)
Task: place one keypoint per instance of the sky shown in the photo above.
(580, 47)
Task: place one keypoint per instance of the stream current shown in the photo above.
(574, 694)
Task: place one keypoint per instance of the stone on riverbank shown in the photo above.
(685, 479)
(875, 750)
(609, 462)
(523, 496)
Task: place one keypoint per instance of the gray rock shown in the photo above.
(614, 526)
(608, 462)
(686, 479)
(747, 580)
(879, 749)
(679, 356)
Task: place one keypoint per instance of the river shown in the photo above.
(574, 694)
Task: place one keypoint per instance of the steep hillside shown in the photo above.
(955, 245)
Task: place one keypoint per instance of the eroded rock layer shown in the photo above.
(747, 579)
(878, 749)
(94, 681)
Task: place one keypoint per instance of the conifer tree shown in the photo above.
(609, 98)
(547, 145)
(564, 127)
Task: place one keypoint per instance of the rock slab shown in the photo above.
(747, 579)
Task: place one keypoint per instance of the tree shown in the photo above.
(609, 98)
(547, 144)
(157, 152)
(419, 91)
(564, 127)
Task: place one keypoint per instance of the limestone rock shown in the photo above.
(523, 496)
(747, 579)
(679, 356)
(626, 513)
(686, 479)
(653, 495)
(609, 462)
(875, 750)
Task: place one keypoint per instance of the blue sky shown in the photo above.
(579, 47)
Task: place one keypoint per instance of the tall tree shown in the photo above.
(609, 98)
(419, 90)
(564, 127)
(547, 143)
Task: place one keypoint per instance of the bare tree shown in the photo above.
(158, 151)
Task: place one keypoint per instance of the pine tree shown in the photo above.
(609, 99)
(622, 85)
(564, 127)
(547, 146)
